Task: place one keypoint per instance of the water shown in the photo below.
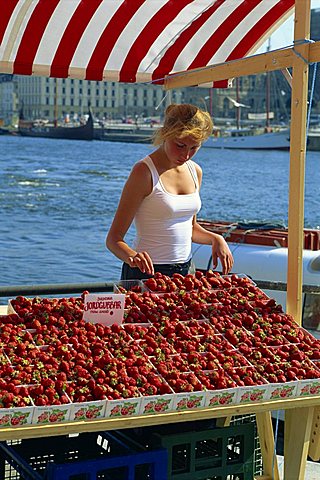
(58, 198)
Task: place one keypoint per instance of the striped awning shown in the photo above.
(131, 40)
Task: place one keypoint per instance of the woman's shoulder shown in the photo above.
(196, 166)
(141, 177)
(141, 167)
(197, 171)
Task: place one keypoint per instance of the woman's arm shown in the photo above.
(137, 187)
(220, 248)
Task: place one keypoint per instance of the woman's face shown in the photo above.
(181, 149)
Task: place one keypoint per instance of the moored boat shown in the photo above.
(4, 131)
(248, 139)
(44, 130)
(313, 142)
(261, 252)
(125, 132)
(244, 139)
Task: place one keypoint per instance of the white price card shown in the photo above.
(104, 308)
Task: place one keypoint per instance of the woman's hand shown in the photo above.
(142, 260)
(221, 251)
(220, 248)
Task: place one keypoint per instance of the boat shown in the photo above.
(252, 139)
(125, 132)
(260, 250)
(4, 131)
(247, 138)
(46, 130)
(313, 141)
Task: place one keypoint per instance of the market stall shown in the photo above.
(28, 57)
(184, 349)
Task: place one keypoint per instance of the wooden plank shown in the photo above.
(274, 60)
(266, 437)
(287, 75)
(299, 99)
(253, 65)
(314, 52)
(314, 446)
(37, 431)
(297, 429)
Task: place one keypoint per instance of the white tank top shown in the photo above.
(164, 220)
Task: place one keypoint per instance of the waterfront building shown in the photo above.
(8, 100)
(65, 98)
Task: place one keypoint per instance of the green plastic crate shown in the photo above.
(217, 454)
(251, 418)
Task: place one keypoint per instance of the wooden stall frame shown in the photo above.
(299, 410)
(314, 447)
(298, 58)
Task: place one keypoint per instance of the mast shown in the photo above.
(55, 120)
(211, 100)
(238, 111)
(268, 92)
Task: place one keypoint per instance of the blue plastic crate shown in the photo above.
(105, 456)
(150, 465)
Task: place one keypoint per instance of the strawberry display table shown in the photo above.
(298, 418)
(189, 348)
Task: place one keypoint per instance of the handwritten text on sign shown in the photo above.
(106, 309)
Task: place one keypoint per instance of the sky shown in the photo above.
(283, 37)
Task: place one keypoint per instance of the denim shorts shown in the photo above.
(133, 273)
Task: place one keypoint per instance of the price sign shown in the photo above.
(106, 309)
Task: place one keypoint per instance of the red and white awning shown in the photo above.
(131, 40)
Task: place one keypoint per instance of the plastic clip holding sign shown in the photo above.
(106, 309)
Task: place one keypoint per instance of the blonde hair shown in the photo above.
(182, 120)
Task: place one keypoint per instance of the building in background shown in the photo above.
(62, 98)
(8, 100)
(69, 99)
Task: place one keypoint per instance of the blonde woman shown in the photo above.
(162, 197)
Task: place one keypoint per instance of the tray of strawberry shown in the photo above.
(184, 343)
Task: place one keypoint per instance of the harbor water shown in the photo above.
(58, 198)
